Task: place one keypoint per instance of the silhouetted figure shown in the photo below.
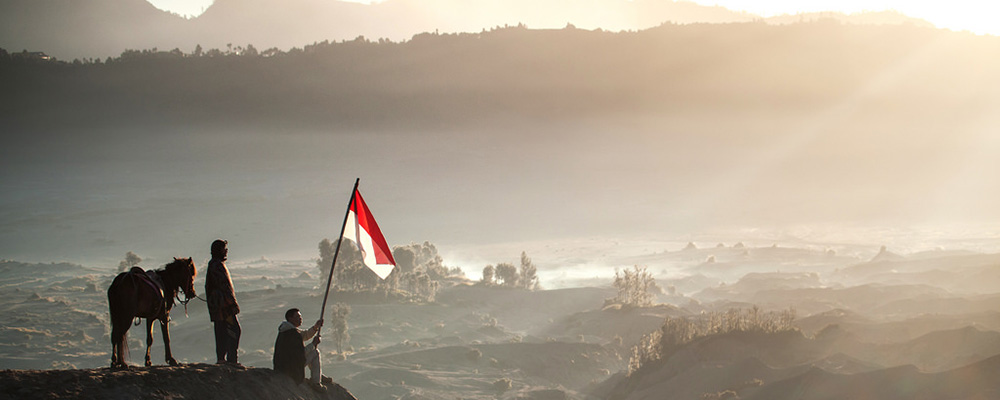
(291, 357)
(222, 306)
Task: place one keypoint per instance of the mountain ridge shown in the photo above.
(534, 73)
(67, 29)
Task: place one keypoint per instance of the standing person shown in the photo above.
(291, 357)
(222, 306)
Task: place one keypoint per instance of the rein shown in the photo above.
(186, 301)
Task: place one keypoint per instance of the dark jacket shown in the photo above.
(219, 289)
(289, 352)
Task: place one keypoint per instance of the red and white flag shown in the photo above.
(362, 229)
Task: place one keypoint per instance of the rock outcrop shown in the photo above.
(189, 381)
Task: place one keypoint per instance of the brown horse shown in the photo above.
(149, 295)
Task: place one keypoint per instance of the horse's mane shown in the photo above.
(178, 263)
(176, 270)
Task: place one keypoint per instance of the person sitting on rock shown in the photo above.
(291, 356)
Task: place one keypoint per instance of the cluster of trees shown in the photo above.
(418, 275)
(23, 57)
(636, 287)
(679, 331)
(156, 55)
(145, 55)
(507, 275)
(249, 50)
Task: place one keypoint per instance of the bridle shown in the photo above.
(177, 296)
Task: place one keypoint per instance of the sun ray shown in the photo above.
(804, 134)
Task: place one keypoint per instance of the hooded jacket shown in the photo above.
(289, 352)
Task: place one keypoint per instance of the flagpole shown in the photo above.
(340, 239)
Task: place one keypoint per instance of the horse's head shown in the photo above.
(186, 273)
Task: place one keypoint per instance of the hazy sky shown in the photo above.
(972, 15)
(836, 163)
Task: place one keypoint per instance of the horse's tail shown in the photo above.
(116, 302)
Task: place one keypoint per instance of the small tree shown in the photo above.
(636, 287)
(406, 259)
(488, 275)
(355, 276)
(338, 323)
(326, 251)
(131, 260)
(420, 284)
(349, 262)
(391, 283)
(502, 385)
(529, 273)
(506, 275)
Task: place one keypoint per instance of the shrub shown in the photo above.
(723, 395)
(502, 385)
(506, 275)
(636, 288)
(529, 273)
(488, 273)
(338, 323)
(678, 331)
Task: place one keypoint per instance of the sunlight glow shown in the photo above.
(782, 153)
(959, 15)
(184, 8)
(976, 169)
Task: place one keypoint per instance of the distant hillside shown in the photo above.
(959, 273)
(876, 17)
(942, 350)
(191, 381)
(975, 381)
(71, 29)
(74, 29)
(552, 74)
(787, 365)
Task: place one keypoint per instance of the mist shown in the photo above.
(812, 199)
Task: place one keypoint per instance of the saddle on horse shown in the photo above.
(153, 282)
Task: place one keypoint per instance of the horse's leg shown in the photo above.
(164, 325)
(114, 344)
(114, 312)
(149, 339)
(119, 331)
(117, 338)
